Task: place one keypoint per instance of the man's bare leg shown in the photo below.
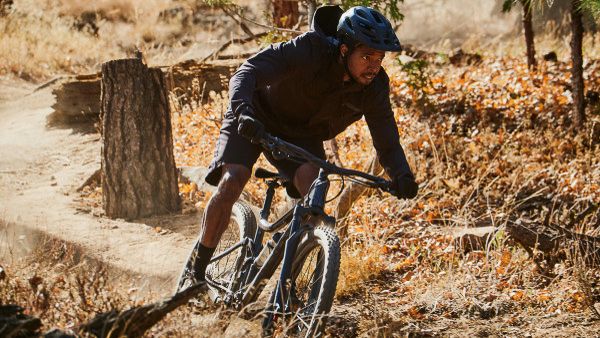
(216, 218)
(304, 177)
(218, 209)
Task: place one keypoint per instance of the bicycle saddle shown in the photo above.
(264, 173)
(283, 180)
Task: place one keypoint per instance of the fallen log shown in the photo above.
(135, 321)
(549, 244)
(474, 239)
(78, 97)
(130, 323)
(186, 77)
(77, 100)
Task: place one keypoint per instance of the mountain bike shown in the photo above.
(302, 242)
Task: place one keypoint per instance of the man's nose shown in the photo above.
(374, 66)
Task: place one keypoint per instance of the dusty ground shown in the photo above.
(40, 170)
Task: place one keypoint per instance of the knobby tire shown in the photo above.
(315, 272)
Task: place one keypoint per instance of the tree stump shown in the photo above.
(139, 177)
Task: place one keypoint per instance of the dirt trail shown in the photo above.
(40, 170)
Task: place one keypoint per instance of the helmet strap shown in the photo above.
(345, 61)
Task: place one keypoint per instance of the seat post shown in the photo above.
(266, 209)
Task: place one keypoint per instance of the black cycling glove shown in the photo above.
(405, 187)
(249, 126)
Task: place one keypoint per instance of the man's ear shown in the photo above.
(343, 50)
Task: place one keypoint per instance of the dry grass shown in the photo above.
(40, 43)
(358, 264)
(127, 10)
(40, 40)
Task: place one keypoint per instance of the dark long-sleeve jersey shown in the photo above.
(297, 90)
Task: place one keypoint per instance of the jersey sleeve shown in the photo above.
(384, 132)
(268, 67)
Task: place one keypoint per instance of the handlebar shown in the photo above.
(281, 149)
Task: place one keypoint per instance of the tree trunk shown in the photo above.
(139, 176)
(352, 192)
(528, 27)
(137, 320)
(577, 60)
(285, 13)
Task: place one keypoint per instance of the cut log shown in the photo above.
(195, 175)
(77, 100)
(139, 178)
(186, 77)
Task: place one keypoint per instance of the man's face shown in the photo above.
(364, 63)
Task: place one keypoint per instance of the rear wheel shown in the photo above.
(222, 273)
(315, 271)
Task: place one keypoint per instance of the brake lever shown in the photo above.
(268, 142)
(386, 186)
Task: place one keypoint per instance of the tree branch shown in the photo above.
(232, 41)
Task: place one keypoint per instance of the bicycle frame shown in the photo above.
(253, 278)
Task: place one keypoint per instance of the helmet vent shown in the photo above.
(369, 35)
(349, 23)
(361, 13)
(365, 26)
(377, 17)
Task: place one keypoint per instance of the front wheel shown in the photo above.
(310, 293)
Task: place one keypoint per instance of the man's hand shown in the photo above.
(249, 126)
(405, 187)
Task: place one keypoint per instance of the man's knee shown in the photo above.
(304, 177)
(232, 183)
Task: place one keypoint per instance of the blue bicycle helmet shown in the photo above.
(367, 26)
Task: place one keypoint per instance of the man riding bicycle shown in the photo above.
(305, 91)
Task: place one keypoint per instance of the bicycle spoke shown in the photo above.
(304, 293)
(219, 270)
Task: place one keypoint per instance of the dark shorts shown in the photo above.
(232, 148)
